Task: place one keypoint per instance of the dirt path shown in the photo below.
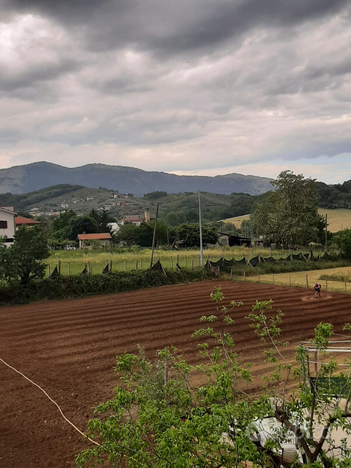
(69, 348)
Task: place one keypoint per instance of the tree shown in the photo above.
(189, 234)
(103, 220)
(144, 234)
(289, 214)
(82, 225)
(23, 261)
(343, 241)
(127, 234)
(159, 417)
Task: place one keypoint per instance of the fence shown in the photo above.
(301, 279)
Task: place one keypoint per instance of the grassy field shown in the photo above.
(337, 219)
(72, 262)
(303, 278)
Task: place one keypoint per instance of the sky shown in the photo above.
(203, 87)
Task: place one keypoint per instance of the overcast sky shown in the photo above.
(187, 86)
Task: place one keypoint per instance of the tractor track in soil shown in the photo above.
(68, 348)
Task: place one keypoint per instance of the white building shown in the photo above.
(7, 224)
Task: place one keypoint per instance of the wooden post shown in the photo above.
(231, 273)
(89, 268)
(68, 269)
(315, 363)
(136, 264)
(171, 262)
(178, 259)
(345, 286)
(141, 264)
(185, 261)
(192, 262)
(258, 277)
(244, 276)
(306, 281)
(289, 280)
(59, 267)
(110, 266)
(326, 284)
(125, 265)
(273, 278)
(48, 270)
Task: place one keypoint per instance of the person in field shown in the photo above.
(317, 289)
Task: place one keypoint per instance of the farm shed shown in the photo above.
(103, 238)
(230, 240)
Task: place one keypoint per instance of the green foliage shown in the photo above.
(188, 235)
(93, 285)
(155, 195)
(290, 214)
(23, 261)
(343, 241)
(102, 220)
(159, 417)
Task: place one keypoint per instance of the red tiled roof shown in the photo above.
(99, 236)
(19, 220)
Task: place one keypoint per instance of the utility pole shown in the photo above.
(326, 233)
(200, 227)
(154, 237)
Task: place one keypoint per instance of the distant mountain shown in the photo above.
(30, 177)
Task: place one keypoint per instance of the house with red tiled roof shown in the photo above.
(137, 219)
(104, 238)
(21, 221)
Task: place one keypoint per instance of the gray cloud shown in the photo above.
(174, 86)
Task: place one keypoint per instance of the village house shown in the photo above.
(7, 224)
(137, 219)
(103, 238)
(21, 221)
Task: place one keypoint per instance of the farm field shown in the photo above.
(73, 262)
(69, 348)
(337, 219)
(299, 279)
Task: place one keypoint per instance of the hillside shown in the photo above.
(174, 208)
(26, 178)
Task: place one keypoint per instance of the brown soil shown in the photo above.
(69, 348)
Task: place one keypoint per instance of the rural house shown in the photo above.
(103, 238)
(21, 221)
(7, 224)
(137, 219)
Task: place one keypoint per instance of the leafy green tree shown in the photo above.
(343, 241)
(188, 235)
(82, 225)
(127, 234)
(155, 195)
(23, 261)
(144, 234)
(61, 226)
(159, 417)
(289, 214)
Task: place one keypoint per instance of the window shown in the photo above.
(3, 224)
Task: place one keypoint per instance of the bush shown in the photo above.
(93, 285)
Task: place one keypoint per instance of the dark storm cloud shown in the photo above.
(174, 85)
(173, 26)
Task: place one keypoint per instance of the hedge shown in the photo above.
(64, 287)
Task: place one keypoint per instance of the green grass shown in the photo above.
(72, 262)
(330, 279)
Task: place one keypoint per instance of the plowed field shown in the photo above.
(69, 348)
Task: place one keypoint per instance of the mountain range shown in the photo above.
(35, 176)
